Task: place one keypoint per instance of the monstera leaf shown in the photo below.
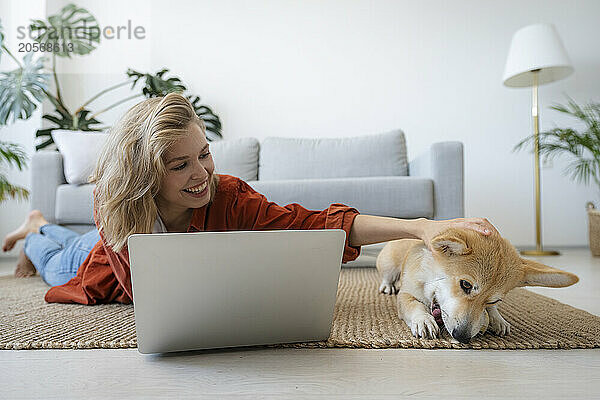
(158, 85)
(65, 120)
(72, 30)
(22, 89)
(211, 120)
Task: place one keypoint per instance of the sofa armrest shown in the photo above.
(46, 176)
(443, 163)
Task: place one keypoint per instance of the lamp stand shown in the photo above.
(538, 228)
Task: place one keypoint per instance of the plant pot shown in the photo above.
(594, 228)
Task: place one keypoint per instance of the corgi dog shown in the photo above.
(459, 283)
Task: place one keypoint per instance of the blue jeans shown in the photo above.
(57, 252)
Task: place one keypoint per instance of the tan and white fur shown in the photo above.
(467, 274)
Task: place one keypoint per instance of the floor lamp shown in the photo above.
(536, 57)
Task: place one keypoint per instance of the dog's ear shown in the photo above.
(451, 244)
(538, 274)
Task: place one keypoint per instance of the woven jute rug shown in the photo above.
(363, 319)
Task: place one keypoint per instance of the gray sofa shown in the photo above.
(371, 173)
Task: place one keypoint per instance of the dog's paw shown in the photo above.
(387, 288)
(424, 326)
(498, 325)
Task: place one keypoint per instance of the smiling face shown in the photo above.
(188, 182)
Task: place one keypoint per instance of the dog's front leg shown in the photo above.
(417, 317)
(388, 281)
(498, 324)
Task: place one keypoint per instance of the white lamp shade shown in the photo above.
(536, 47)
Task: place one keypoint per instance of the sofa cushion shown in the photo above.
(304, 158)
(80, 151)
(237, 157)
(398, 196)
(74, 204)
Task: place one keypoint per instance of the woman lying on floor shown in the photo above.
(156, 174)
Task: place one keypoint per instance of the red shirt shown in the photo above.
(104, 276)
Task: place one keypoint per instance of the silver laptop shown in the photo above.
(223, 289)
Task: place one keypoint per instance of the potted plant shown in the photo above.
(584, 150)
(20, 90)
(24, 88)
(56, 33)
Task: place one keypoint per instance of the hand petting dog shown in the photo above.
(431, 228)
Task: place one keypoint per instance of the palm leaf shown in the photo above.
(583, 147)
(582, 170)
(12, 153)
(22, 89)
(8, 190)
(588, 114)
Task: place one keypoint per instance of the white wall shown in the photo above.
(346, 68)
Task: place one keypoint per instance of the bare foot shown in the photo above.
(32, 223)
(25, 267)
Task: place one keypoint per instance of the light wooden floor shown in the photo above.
(320, 373)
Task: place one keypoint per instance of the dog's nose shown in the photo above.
(462, 334)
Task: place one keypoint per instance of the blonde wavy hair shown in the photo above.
(131, 167)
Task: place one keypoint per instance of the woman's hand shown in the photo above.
(432, 228)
